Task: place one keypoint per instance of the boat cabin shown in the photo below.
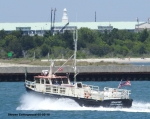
(52, 80)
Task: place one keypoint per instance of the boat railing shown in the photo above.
(95, 88)
(58, 89)
(90, 92)
(91, 87)
(29, 83)
(115, 89)
(72, 91)
(125, 94)
(116, 93)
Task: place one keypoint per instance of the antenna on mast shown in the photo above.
(75, 37)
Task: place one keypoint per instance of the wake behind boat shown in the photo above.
(54, 86)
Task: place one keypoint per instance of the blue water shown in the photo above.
(15, 100)
(140, 63)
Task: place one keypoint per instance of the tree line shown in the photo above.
(91, 43)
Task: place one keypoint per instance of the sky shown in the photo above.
(77, 10)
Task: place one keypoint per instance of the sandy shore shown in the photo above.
(118, 60)
(14, 65)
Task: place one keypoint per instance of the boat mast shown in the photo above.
(75, 51)
(51, 65)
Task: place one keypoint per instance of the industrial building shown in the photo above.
(141, 26)
(41, 27)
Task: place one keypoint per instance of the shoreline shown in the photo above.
(117, 60)
(92, 60)
(124, 60)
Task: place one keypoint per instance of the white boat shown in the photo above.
(54, 86)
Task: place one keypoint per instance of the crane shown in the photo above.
(54, 17)
(51, 18)
(52, 22)
(61, 30)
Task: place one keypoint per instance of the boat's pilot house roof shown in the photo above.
(53, 79)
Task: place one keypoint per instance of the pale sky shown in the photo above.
(78, 10)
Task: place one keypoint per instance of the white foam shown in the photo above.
(33, 102)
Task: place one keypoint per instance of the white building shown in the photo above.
(65, 17)
(40, 27)
(142, 26)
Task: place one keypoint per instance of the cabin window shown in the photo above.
(56, 81)
(42, 81)
(79, 85)
(59, 81)
(47, 81)
(53, 81)
(65, 81)
(37, 80)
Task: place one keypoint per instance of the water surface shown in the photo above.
(15, 100)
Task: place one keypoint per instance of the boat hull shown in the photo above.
(125, 103)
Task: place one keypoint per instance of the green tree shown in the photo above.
(138, 48)
(86, 35)
(96, 50)
(38, 41)
(58, 51)
(67, 37)
(18, 33)
(27, 42)
(2, 34)
(44, 49)
(142, 49)
(15, 47)
(47, 34)
(143, 35)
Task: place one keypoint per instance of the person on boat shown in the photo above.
(55, 82)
